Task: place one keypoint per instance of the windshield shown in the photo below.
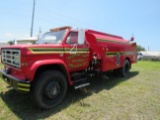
(55, 37)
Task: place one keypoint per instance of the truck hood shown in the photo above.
(29, 49)
(33, 46)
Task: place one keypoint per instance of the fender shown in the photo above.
(39, 63)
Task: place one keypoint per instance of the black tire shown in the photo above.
(125, 69)
(49, 89)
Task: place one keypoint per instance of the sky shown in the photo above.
(140, 18)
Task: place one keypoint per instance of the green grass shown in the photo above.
(136, 97)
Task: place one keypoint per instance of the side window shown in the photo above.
(72, 38)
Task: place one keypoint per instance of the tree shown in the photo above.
(140, 48)
(10, 42)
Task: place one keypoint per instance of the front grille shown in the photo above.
(11, 57)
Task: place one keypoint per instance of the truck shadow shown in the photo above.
(21, 105)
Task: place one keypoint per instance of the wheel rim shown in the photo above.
(52, 90)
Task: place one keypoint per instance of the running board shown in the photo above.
(81, 85)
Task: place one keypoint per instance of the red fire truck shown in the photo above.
(61, 58)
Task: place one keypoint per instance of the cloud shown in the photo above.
(9, 34)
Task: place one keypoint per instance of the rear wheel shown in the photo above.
(49, 89)
(125, 69)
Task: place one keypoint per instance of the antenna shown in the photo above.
(40, 31)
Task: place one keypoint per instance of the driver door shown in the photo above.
(76, 56)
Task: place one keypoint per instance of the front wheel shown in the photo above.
(49, 89)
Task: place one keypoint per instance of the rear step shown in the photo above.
(81, 85)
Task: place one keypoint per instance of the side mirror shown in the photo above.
(81, 36)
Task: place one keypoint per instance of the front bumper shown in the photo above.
(19, 85)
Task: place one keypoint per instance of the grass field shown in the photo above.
(134, 98)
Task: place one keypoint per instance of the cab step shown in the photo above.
(79, 80)
(81, 85)
(77, 74)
